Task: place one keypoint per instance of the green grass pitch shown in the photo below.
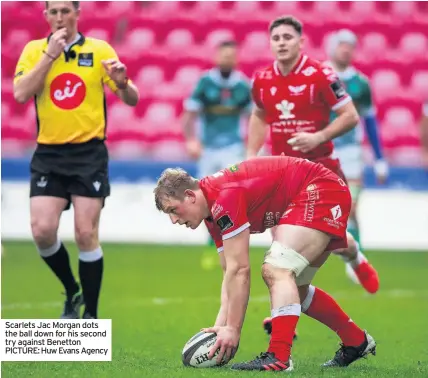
(159, 296)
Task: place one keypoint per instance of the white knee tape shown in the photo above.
(286, 258)
(306, 276)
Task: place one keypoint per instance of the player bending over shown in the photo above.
(310, 206)
(294, 97)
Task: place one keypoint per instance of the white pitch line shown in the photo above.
(158, 301)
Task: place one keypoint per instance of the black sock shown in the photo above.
(91, 274)
(59, 262)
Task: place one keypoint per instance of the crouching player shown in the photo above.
(310, 206)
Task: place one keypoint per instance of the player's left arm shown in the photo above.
(424, 134)
(333, 95)
(115, 75)
(368, 113)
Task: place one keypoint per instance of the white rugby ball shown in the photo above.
(195, 352)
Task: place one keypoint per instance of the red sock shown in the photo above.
(326, 310)
(283, 327)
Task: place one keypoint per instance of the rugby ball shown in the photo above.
(195, 352)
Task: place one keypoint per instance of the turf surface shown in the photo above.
(159, 296)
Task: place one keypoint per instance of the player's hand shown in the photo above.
(305, 142)
(116, 70)
(227, 342)
(194, 148)
(57, 43)
(381, 170)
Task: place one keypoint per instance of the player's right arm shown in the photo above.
(192, 107)
(257, 127)
(424, 134)
(222, 313)
(30, 74)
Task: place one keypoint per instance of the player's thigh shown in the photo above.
(87, 213)
(308, 242)
(45, 214)
(48, 199)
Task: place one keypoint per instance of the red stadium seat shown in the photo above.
(385, 84)
(178, 42)
(419, 85)
(149, 77)
(413, 46)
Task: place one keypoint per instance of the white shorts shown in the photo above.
(213, 160)
(351, 161)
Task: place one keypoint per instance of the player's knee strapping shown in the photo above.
(287, 258)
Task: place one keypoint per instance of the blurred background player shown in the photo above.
(348, 147)
(65, 73)
(219, 101)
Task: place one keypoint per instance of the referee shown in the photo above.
(66, 74)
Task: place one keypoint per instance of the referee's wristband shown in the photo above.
(50, 56)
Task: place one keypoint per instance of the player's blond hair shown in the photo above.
(172, 183)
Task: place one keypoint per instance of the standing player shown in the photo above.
(310, 206)
(294, 97)
(220, 99)
(348, 146)
(66, 73)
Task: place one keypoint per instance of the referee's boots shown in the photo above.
(72, 306)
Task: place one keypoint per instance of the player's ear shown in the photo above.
(191, 195)
(302, 41)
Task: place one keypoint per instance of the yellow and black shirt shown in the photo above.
(71, 107)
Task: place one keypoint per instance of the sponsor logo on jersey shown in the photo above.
(225, 223)
(67, 91)
(85, 60)
(338, 89)
(336, 212)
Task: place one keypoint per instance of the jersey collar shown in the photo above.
(230, 82)
(80, 40)
(297, 67)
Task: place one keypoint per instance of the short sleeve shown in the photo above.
(215, 234)
(195, 103)
(230, 212)
(25, 63)
(256, 92)
(332, 90)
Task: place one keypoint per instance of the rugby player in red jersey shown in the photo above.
(309, 205)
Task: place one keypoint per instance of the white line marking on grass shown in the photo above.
(159, 301)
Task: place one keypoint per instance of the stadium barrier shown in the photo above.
(395, 218)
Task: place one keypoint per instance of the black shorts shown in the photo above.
(63, 170)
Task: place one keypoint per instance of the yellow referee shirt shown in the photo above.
(71, 107)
